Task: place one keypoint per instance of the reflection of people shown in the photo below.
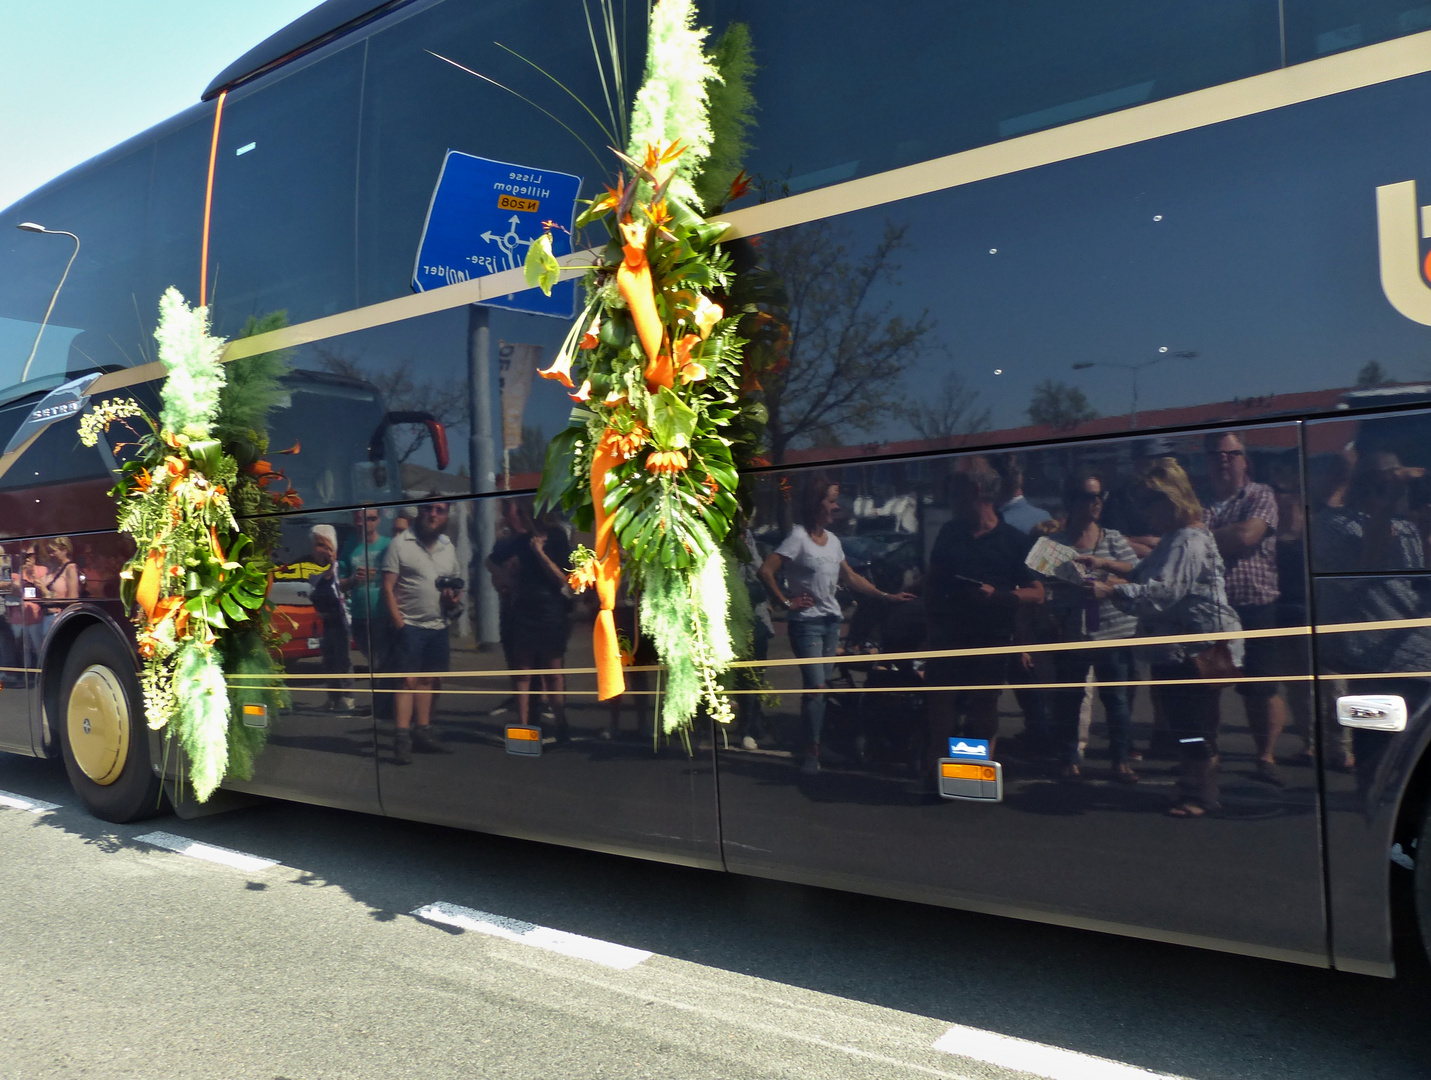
(812, 561)
(540, 613)
(1015, 509)
(1372, 532)
(1179, 589)
(749, 710)
(977, 582)
(1086, 619)
(327, 600)
(1243, 519)
(413, 565)
(361, 580)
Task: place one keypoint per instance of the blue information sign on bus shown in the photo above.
(975, 749)
(484, 215)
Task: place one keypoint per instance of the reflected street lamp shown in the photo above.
(1185, 354)
(30, 226)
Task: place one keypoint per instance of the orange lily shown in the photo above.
(691, 370)
(707, 314)
(589, 339)
(560, 371)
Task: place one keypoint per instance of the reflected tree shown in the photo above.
(401, 391)
(1060, 406)
(848, 351)
(1372, 375)
(951, 412)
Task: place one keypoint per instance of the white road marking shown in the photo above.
(24, 802)
(606, 953)
(1036, 1058)
(208, 852)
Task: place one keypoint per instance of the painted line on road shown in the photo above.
(208, 852)
(24, 802)
(1037, 1059)
(607, 953)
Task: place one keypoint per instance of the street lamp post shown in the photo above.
(30, 226)
(1135, 369)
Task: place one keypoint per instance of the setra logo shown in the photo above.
(1401, 225)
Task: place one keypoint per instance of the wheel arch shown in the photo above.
(72, 621)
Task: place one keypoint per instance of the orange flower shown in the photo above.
(666, 462)
(146, 648)
(560, 371)
(175, 466)
(589, 339)
(738, 187)
(656, 156)
(583, 577)
(142, 479)
(583, 394)
(690, 370)
(707, 314)
(626, 445)
(659, 214)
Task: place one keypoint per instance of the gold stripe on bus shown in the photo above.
(920, 654)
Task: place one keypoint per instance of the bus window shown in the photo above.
(282, 236)
(99, 322)
(1320, 27)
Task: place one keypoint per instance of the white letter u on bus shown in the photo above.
(1398, 230)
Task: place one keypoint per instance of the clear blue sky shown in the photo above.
(78, 76)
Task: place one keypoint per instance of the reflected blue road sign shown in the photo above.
(484, 215)
(975, 749)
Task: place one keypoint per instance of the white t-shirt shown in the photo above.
(417, 571)
(812, 569)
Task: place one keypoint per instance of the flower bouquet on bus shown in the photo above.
(197, 584)
(648, 461)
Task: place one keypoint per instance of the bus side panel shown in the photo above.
(1370, 508)
(842, 785)
(527, 755)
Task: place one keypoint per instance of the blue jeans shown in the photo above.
(819, 636)
(1109, 665)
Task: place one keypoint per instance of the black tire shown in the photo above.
(1422, 881)
(99, 694)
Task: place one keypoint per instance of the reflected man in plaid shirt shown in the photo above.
(1242, 515)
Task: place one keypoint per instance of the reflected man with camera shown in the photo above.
(421, 586)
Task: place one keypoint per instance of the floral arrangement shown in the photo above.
(666, 404)
(198, 582)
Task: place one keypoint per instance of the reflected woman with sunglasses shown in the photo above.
(1180, 589)
(1084, 618)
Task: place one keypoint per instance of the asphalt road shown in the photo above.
(119, 958)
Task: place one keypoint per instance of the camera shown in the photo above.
(456, 584)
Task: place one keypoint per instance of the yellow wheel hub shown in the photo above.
(98, 724)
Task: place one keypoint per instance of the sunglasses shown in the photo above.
(1226, 453)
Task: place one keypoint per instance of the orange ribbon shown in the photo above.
(147, 595)
(633, 278)
(610, 681)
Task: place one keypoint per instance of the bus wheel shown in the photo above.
(1423, 881)
(102, 732)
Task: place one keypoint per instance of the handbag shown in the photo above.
(1215, 662)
